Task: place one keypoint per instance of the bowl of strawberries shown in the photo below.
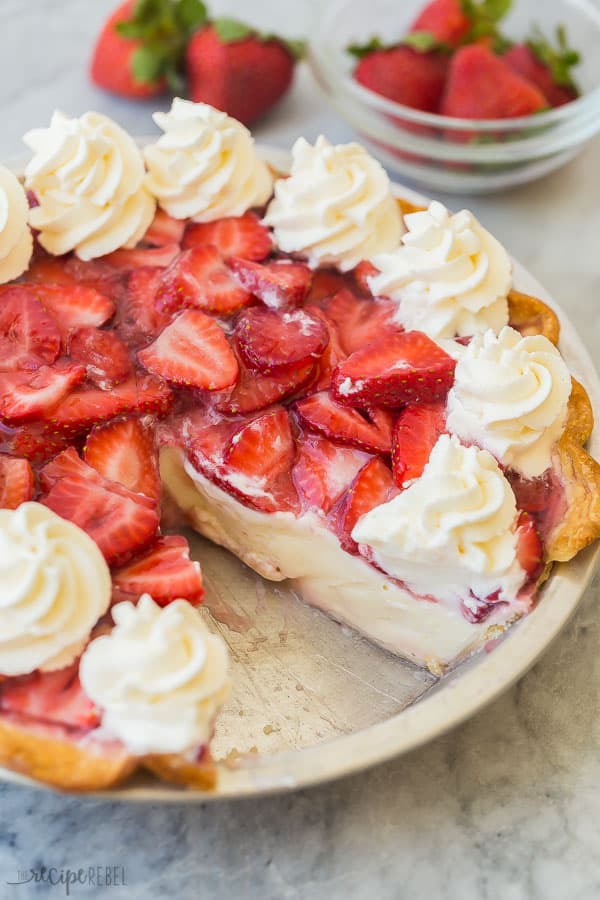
(464, 95)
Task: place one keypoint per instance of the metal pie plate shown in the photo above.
(312, 700)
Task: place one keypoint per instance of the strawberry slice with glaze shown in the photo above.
(243, 236)
(271, 340)
(258, 460)
(164, 230)
(124, 451)
(138, 257)
(326, 283)
(55, 697)
(86, 407)
(278, 284)
(104, 356)
(74, 306)
(199, 279)
(324, 470)
(530, 552)
(357, 322)
(120, 522)
(16, 482)
(321, 413)
(165, 571)
(254, 391)
(400, 368)
(139, 321)
(192, 351)
(32, 441)
(29, 337)
(362, 273)
(26, 396)
(416, 433)
(373, 486)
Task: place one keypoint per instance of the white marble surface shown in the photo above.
(507, 807)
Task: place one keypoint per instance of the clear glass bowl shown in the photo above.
(459, 155)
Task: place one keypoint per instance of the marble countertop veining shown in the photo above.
(506, 807)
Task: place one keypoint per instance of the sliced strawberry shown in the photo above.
(359, 322)
(67, 464)
(530, 552)
(324, 470)
(119, 523)
(262, 452)
(33, 442)
(192, 351)
(270, 340)
(321, 413)
(416, 432)
(400, 368)
(326, 283)
(55, 697)
(29, 337)
(87, 407)
(139, 320)
(74, 306)
(164, 230)
(105, 357)
(362, 273)
(244, 236)
(138, 257)
(199, 279)
(206, 436)
(34, 395)
(254, 391)
(165, 571)
(124, 451)
(373, 486)
(277, 284)
(332, 355)
(16, 482)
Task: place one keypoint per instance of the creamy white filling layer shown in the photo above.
(279, 546)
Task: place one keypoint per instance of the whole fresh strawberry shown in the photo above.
(404, 75)
(238, 70)
(547, 67)
(149, 44)
(481, 85)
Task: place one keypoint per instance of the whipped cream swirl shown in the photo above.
(452, 531)
(159, 677)
(336, 208)
(205, 165)
(89, 180)
(510, 395)
(450, 276)
(55, 587)
(16, 241)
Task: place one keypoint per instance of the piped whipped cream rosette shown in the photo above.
(449, 276)
(337, 206)
(159, 677)
(451, 534)
(205, 165)
(510, 395)
(88, 178)
(55, 587)
(16, 241)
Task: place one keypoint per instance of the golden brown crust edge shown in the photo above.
(75, 766)
(579, 473)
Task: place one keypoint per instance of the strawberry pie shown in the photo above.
(342, 389)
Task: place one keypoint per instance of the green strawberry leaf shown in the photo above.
(191, 14)
(147, 65)
(559, 60)
(486, 10)
(230, 30)
(424, 42)
(362, 50)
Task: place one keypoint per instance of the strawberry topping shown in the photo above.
(373, 486)
(104, 356)
(55, 697)
(165, 571)
(324, 470)
(124, 450)
(359, 322)
(242, 236)
(277, 284)
(400, 368)
(16, 482)
(416, 432)
(270, 340)
(321, 413)
(29, 337)
(25, 396)
(192, 351)
(199, 279)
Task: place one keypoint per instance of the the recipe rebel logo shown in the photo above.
(68, 879)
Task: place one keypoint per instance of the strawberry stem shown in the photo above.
(559, 60)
